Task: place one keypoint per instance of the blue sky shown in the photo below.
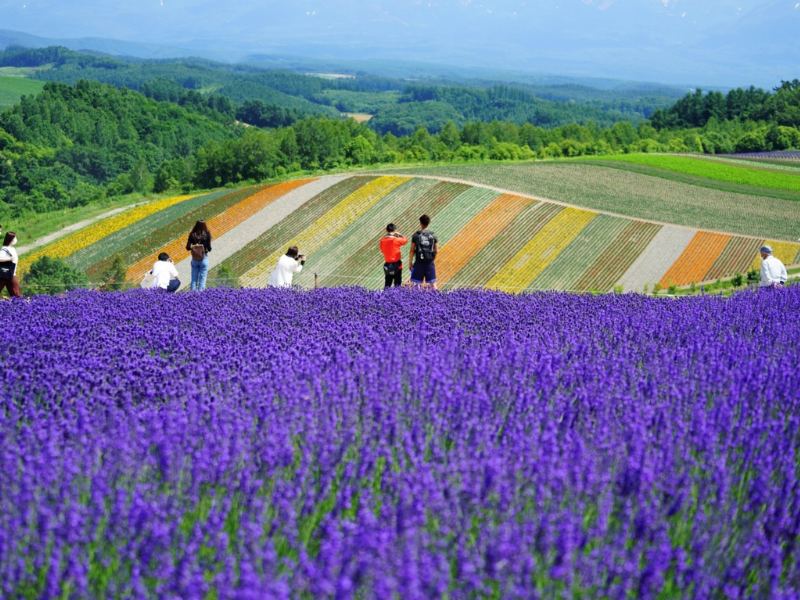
(694, 42)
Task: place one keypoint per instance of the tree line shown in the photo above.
(70, 145)
(288, 96)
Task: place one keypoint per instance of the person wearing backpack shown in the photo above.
(199, 245)
(8, 266)
(422, 254)
(390, 245)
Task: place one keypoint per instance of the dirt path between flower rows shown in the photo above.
(51, 237)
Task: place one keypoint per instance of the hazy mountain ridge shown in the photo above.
(722, 42)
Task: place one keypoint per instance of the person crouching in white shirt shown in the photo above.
(290, 263)
(165, 275)
(773, 272)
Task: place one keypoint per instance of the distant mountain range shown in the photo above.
(402, 69)
(714, 43)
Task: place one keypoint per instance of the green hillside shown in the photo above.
(400, 105)
(69, 146)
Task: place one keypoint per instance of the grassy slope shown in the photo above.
(784, 193)
(638, 195)
(762, 180)
(759, 177)
(790, 165)
(13, 88)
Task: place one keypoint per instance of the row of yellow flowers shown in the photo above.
(520, 271)
(74, 242)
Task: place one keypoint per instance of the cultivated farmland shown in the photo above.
(638, 195)
(763, 176)
(487, 239)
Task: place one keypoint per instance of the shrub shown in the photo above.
(113, 278)
(52, 276)
(224, 278)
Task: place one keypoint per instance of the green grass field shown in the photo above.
(643, 195)
(12, 88)
(790, 165)
(761, 178)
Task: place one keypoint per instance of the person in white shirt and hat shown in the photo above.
(290, 263)
(773, 272)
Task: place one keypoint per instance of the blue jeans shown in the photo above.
(199, 273)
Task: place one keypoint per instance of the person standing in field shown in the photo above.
(773, 271)
(290, 263)
(8, 266)
(422, 255)
(199, 245)
(390, 245)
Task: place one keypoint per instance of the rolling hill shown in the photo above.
(490, 237)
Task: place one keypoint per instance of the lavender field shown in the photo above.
(345, 443)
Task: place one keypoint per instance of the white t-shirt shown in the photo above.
(284, 272)
(7, 251)
(162, 272)
(772, 271)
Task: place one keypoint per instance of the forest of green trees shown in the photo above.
(74, 144)
(399, 106)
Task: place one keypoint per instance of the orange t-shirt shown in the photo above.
(390, 246)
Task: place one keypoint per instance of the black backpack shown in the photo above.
(426, 242)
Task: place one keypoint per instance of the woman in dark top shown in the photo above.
(199, 245)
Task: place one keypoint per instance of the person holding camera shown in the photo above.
(390, 245)
(290, 263)
(165, 275)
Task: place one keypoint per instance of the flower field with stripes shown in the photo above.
(330, 224)
(628, 191)
(83, 238)
(282, 234)
(451, 219)
(219, 223)
(487, 239)
(138, 240)
(697, 259)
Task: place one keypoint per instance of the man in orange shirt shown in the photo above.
(393, 265)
